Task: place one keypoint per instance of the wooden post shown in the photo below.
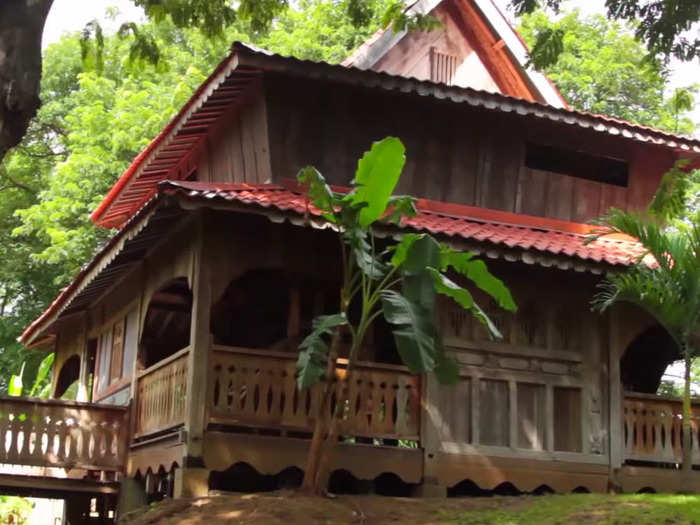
(430, 437)
(200, 342)
(84, 374)
(615, 398)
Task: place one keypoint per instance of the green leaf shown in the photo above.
(313, 355)
(401, 249)
(400, 206)
(368, 264)
(477, 271)
(446, 367)
(377, 174)
(446, 286)
(414, 333)
(14, 387)
(42, 374)
(423, 252)
(318, 190)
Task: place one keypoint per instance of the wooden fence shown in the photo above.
(652, 429)
(161, 395)
(258, 388)
(67, 434)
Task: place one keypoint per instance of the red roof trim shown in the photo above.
(136, 163)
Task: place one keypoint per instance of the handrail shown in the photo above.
(653, 397)
(163, 362)
(341, 361)
(61, 403)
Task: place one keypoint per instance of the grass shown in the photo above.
(586, 509)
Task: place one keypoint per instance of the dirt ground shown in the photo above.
(292, 508)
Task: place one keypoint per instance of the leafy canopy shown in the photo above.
(665, 27)
(401, 281)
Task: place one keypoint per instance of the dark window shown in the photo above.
(577, 164)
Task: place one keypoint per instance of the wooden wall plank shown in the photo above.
(560, 193)
(586, 201)
(532, 190)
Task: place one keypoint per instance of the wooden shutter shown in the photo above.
(115, 368)
(443, 67)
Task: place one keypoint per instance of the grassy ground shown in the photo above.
(290, 508)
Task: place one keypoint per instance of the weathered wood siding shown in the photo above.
(454, 153)
(411, 57)
(237, 149)
(541, 392)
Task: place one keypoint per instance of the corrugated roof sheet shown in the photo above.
(164, 156)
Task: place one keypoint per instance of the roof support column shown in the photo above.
(198, 357)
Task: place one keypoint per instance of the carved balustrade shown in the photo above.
(258, 388)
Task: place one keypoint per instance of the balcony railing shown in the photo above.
(257, 388)
(652, 429)
(66, 434)
(161, 395)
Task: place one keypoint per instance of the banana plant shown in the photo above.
(398, 281)
(41, 387)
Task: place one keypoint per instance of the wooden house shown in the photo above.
(183, 329)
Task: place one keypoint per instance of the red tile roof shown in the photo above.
(509, 230)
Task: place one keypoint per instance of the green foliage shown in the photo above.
(372, 278)
(15, 510)
(665, 27)
(377, 173)
(602, 69)
(313, 354)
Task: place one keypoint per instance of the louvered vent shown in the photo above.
(442, 66)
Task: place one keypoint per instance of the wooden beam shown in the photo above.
(494, 56)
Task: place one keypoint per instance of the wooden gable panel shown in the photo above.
(414, 55)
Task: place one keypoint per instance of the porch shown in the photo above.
(255, 414)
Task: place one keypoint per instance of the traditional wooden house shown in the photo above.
(183, 329)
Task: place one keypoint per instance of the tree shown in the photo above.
(665, 282)
(603, 69)
(397, 281)
(664, 26)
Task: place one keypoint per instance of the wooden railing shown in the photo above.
(66, 434)
(161, 392)
(258, 388)
(652, 429)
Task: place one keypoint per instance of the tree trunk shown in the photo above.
(311, 478)
(21, 27)
(686, 480)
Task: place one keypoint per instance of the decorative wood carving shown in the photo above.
(56, 433)
(258, 388)
(161, 395)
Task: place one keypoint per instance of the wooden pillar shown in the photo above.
(615, 397)
(430, 438)
(200, 342)
(83, 393)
